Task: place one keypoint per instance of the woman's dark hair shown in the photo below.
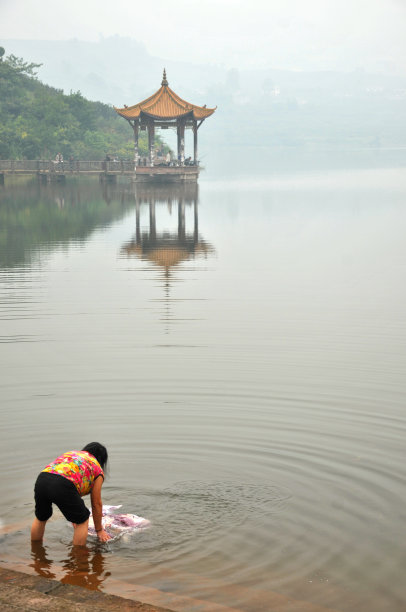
(99, 451)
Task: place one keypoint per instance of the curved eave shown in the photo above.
(197, 113)
(128, 113)
(203, 113)
(198, 116)
(163, 105)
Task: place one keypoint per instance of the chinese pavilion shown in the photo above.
(165, 109)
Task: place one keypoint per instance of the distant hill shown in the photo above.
(115, 70)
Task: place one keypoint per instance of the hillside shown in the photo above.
(39, 121)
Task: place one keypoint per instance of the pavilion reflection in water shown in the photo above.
(167, 249)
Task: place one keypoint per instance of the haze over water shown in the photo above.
(245, 368)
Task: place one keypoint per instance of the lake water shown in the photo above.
(241, 351)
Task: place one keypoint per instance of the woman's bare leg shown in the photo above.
(37, 530)
(80, 533)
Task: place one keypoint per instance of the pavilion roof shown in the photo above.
(165, 104)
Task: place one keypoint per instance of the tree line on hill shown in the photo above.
(39, 121)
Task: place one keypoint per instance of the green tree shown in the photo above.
(39, 121)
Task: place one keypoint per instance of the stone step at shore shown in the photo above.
(26, 593)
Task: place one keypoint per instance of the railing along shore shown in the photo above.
(41, 166)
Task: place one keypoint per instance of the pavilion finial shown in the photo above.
(164, 80)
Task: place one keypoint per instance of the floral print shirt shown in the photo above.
(78, 466)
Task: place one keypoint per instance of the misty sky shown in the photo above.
(290, 34)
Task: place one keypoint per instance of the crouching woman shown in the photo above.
(64, 482)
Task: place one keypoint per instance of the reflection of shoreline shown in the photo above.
(36, 218)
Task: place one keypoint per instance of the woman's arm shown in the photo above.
(97, 509)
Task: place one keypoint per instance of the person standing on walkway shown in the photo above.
(64, 482)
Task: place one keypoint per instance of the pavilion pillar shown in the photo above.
(195, 142)
(136, 154)
(178, 142)
(181, 142)
(151, 142)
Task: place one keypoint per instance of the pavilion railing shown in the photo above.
(33, 166)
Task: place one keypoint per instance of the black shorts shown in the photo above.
(55, 489)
